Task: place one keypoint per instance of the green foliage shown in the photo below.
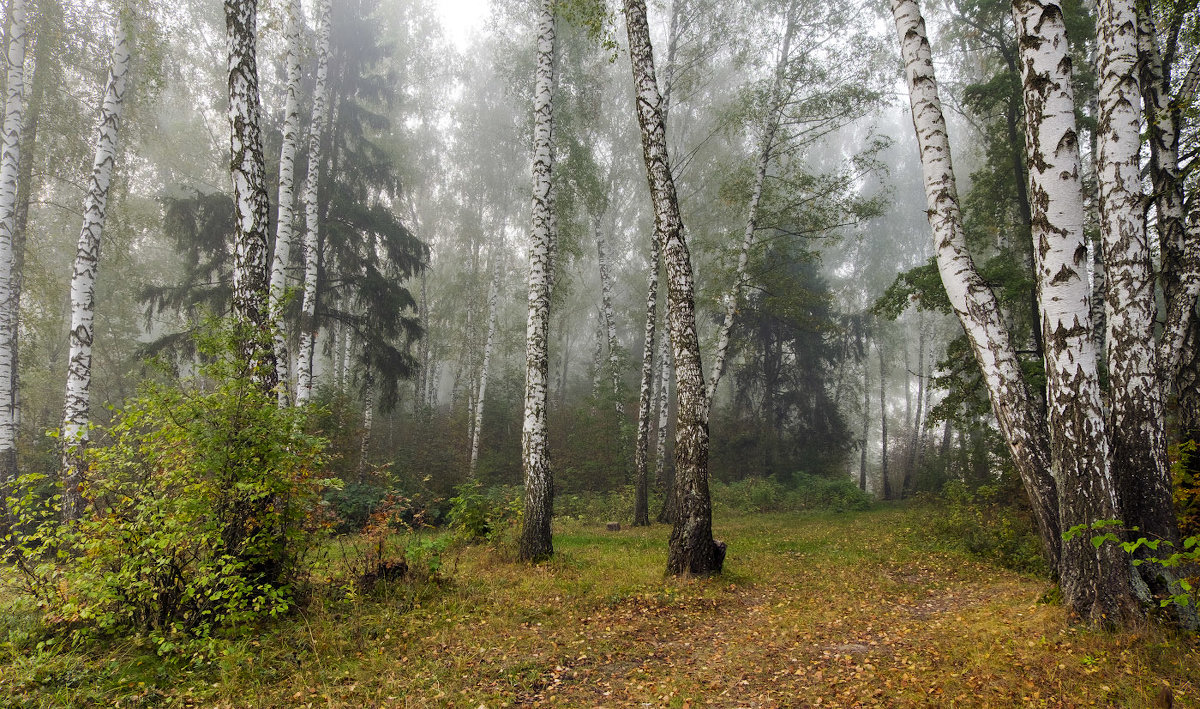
(1186, 487)
(986, 523)
(203, 498)
(1183, 590)
(807, 492)
(488, 515)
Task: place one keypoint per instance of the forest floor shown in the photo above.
(814, 610)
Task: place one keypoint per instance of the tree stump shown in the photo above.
(613, 526)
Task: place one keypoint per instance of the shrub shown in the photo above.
(807, 492)
(477, 514)
(989, 522)
(202, 501)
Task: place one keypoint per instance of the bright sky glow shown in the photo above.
(462, 18)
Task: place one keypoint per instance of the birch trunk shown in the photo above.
(1095, 582)
(1179, 245)
(766, 148)
(610, 324)
(914, 439)
(866, 426)
(83, 283)
(312, 213)
(1135, 423)
(972, 299)
(368, 420)
(883, 433)
(535, 542)
(248, 172)
(641, 505)
(285, 220)
(493, 289)
(10, 159)
(692, 549)
(664, 480)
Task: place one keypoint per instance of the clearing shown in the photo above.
(814, 610)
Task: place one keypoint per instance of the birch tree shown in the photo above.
(1095, 582)
(248, 172)
(1135, 405)
(641, 505)
(83, 281)
(10, 158)
(285, 219)
(535, 542)
(477, 425)
(312, 214)
(970, 296)
(765, 152)
(692, 549)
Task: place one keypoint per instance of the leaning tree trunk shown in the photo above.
(641, 506)
(83, 283)
(248, 172)
(766, 149)
(312, 213)
(692, 549)
(477, 427)
(535, 540)
(1095, 582)
(1135, 406)
(10, 159)
(972, 299)
(285, 227)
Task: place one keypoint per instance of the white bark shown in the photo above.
(476, 429)
(766, 149)
(641, 508)
(606, 309)
(535, 540)
(10, 158)
(285, 222)
(312, 212)
(248, 173)
(692, 549)
(83, 280)
(1095, 583)
(972, 299)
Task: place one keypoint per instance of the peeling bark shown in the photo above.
(1135, 405)
(1095, 582)
(972, 299)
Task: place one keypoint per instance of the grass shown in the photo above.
(860, 609)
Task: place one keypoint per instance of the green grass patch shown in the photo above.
(854, 609)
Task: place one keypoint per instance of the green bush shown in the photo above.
(202, 499)
(477, 514)
(986, 522)
(807, 492)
